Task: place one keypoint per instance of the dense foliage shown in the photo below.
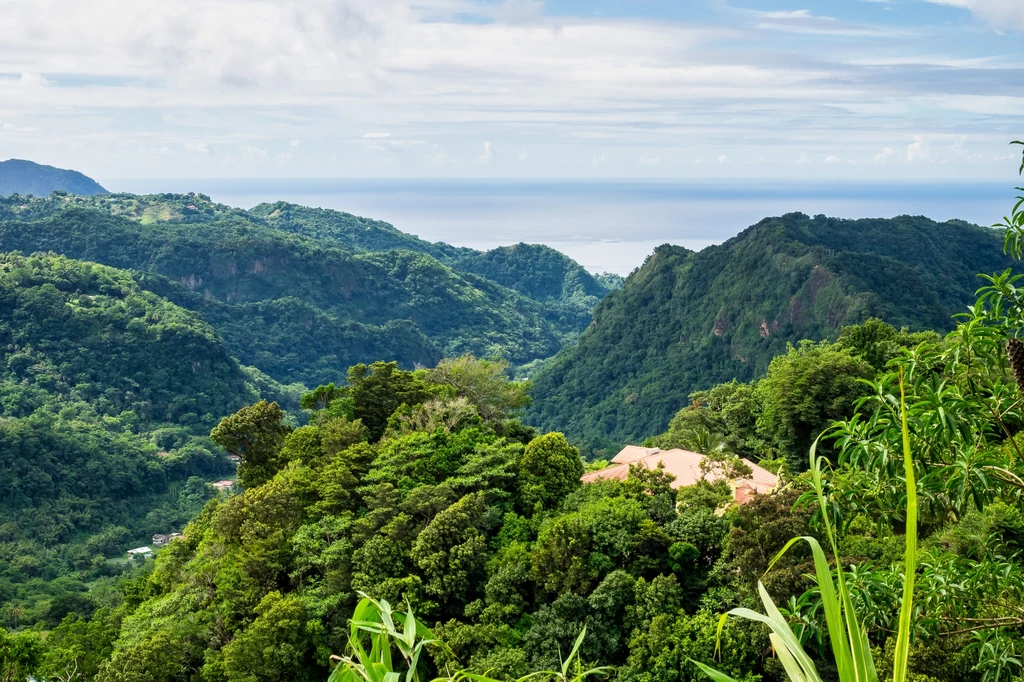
(28, 178)
(686, 321)
(419, 487)
(106, 394)
(478, 522)
(778, 417)
(303, 293)
(423, 488)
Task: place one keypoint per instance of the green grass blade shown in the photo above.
(712, 673)
(409, 628)
(834, 619)
(901, 657)
(575, 650)
(792, 668)
(781, 628)
(840, 617)
(862, 654)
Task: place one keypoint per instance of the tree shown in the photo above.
(379, 389)
(722, 418)
(274, 646)
(665, 649)
(484, 383)
(550, 469)
(561, 558)
(76, 648)
(878, 342)
(762, 528)
(805, 390)
(340, 434)
(322, 396)
(256, 434)
(451, 552)
(20, 655)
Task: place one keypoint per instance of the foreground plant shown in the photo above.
(846, 634)
(570, 670)
(378, 620)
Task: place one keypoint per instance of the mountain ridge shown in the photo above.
(277, 283)
(688, 320)
(18, 176)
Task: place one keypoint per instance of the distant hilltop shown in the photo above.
(26, 177)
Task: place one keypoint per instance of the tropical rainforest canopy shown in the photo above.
(209, 334)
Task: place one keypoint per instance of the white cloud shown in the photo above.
(295, 144)
(386, 142)
(1000, 14)
(832, 158)
(698, 162)
(919, 150)
(804, 21)
(252, 153)
(803, 159)
(34, 79)
(723, 159)
(935, 149)
(524, 155)
(488, 154)
(794, 14)
(888, 155)
(114, 79)
(440, 158)
(648, 160)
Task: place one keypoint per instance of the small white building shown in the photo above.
(143, 551)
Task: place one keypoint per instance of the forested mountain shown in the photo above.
(26, 177)
(302, 293)
(358, 234)
(477, 522)
(107, 394)
(423, 488)
(686, 321)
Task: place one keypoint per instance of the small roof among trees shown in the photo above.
(687, 468)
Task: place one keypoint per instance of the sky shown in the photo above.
(587, 89)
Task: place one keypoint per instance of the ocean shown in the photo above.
(606, 226)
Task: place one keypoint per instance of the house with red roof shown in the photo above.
(687, 468)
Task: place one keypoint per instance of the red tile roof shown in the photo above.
(685, 466)
(632, 453)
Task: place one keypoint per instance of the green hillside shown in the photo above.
(107, 393)
(535, 271)
(686, 321)
(302, 293)
(26, 177)
(358, 234)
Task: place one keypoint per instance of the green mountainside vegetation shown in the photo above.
(422, 488)
(28, 178)
(107, 394)
(301, 293)
(448, 506)
(686, 321)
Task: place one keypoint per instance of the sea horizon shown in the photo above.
(605, 225)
